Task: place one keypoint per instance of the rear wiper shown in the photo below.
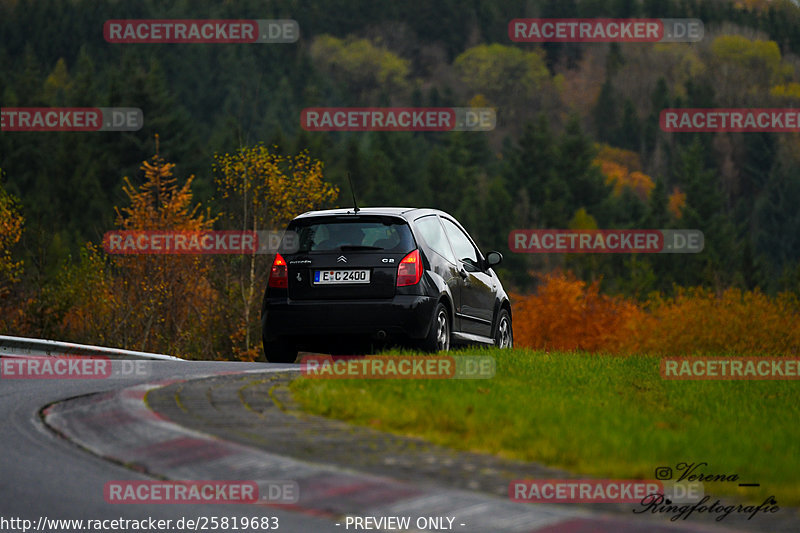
(351, 247)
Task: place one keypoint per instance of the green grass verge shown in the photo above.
(604, 416)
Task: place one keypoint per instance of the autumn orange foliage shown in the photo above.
(11, 225)
(11, 222)
(157, 303)
(734, 322)
(569, 314)
(623, 168)
(193, 306)
(676, 203)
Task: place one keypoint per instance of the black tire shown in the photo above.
(438, 339)
(503, 332)
(280, 351)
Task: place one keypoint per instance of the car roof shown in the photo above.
(406, 212)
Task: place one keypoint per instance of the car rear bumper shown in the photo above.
(408, 316)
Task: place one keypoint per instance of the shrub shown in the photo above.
(569, 314)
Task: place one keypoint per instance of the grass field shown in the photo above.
(603, 416)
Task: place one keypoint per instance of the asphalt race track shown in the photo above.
(45, 476)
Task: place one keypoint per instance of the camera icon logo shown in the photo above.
(663, 473)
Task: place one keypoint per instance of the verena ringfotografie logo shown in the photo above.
(201, 31)
(605, 30)
(398, 367)
(72, 367)
(606, 241)
(730, 120)
(730, 368)
(658, 504)
(694, 473)
(206, 491)
(199, 242)
(71, 119)
(398, 119)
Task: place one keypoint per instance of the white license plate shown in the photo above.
(335, 277)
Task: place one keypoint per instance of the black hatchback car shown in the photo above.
(361, 278)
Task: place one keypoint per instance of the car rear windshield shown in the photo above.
(352, 233)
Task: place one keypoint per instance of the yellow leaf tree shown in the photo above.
(11, 222)
(263, 190)
(362, 66)
(623, 168)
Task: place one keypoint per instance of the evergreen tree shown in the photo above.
(585, 183)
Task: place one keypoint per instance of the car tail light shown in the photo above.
(409, 271)
(279, 275)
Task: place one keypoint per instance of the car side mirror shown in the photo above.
(493, 258)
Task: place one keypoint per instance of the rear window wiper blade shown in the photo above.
(358, 247)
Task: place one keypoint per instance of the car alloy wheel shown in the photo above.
(442, 331)
(504, 336)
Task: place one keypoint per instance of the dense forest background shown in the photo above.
(577, 144)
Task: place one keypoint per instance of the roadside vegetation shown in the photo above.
(577, 393)
(599, 416)
(567, 313)
(191, 306)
